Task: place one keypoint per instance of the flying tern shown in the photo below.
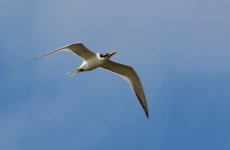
(93, 60)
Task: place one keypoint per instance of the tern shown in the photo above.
(93, 60)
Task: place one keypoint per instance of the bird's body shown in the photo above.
(94, 60)
(92, 63)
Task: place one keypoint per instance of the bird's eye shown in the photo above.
(103, 55)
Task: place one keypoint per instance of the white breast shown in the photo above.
(93, 63)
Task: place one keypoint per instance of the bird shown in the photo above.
(93, 60)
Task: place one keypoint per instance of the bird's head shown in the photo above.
(107, 55)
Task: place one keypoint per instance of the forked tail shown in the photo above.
(73, 72)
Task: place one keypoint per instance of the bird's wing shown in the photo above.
(131, 76)
(77, 48)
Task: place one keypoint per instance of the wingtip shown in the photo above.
(147, 115)
(31, 61)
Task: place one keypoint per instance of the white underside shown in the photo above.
(92, 63)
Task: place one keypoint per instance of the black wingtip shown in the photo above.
(34, 60)
(147, 115)
(30, 61)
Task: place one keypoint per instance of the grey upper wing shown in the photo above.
(81, 50)
(77, 48)
(131, 76)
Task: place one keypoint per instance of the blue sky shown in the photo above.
(179, 48)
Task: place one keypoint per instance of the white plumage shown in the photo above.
(94, 60)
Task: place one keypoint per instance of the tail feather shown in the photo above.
(73, 72)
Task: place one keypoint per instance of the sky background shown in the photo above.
(179, 48)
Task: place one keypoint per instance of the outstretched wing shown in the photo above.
(77, 48)
(131, 76)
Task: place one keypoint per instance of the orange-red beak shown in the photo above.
(112, 53)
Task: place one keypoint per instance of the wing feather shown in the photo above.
(77, 48)
(128, 73)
